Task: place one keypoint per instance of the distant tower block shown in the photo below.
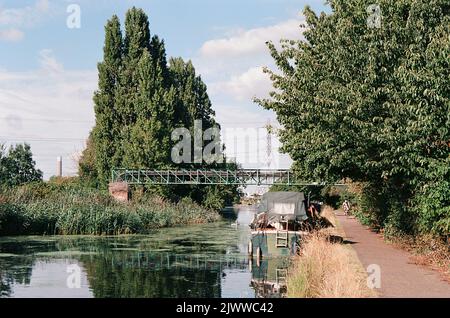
(59, 166)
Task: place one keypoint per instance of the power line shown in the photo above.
(48, 119)
(38, 139)
(93, 121)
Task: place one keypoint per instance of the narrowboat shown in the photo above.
(279, 225)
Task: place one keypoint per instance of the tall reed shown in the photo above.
(53, 209)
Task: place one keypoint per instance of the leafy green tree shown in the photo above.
(17, 166)
(140, 100)
(150, 144)
(192, 98)
(136, 42)
(3, 165)
(87, 166)
(158, 53)
(193, 103)
(104, 135)
(369, 103)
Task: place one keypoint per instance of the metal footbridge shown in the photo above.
(243, 177)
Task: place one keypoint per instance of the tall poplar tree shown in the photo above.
(192, 98)
(136, 42)
(149, 144)
(104, 135)
(139, 102)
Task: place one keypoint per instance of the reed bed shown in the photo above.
(46, 209)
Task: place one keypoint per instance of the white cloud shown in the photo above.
(250, 42)
(49, 63)
(24, 16)
(244, 87)
(42, 5)
(51, 108)
(232, 67)
(11, 35)
(239, 49)
(21, 17)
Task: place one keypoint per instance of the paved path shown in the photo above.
(399, 276)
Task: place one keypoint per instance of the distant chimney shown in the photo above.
(59, 166)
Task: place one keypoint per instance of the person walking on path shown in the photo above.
(346, 207)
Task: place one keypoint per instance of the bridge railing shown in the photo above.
(208, 177)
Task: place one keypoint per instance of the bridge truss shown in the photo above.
(243, 177)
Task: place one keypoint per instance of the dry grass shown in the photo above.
(326, 269)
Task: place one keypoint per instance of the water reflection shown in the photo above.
(198, 261)
(269, 277)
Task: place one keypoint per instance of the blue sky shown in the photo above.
(48, 71)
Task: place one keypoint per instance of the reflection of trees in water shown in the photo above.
(147, 274)
(115, 279)
(5, 287)
(144, 274)
(133, 266)
(14, 270)
(17, 268)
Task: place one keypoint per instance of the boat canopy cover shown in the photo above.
(290, 205)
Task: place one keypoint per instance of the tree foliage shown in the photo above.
(17, 166)
(141, 99)
(372, 104)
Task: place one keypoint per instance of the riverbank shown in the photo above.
(328, 267)
(70, 209)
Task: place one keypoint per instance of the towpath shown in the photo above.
(399, 276)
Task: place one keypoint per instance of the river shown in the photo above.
(198, 261)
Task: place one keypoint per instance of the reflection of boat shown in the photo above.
(269, 277)
(278, 227)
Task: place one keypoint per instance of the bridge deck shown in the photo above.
(208, 177)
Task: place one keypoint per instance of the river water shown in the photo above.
(195, 261)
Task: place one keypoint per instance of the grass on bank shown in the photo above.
(58, 209)
(326, 269)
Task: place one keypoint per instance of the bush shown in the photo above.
(12, 219)
(432, 209)
(406, 211)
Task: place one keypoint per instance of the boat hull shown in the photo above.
(269, 246)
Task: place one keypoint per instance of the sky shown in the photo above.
(48, 68)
